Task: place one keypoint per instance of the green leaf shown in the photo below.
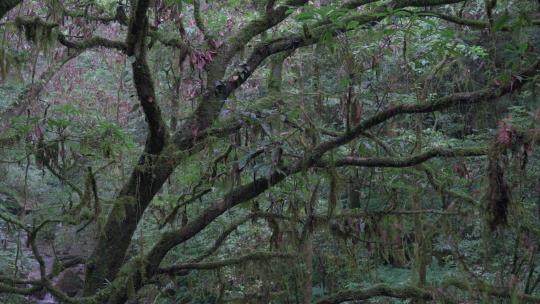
(304, 16)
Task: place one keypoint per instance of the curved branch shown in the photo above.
(92, 42)
(147, 177)
(66, 181)
(209, 37)
(82, 45)
(271, 18)
(223, 236)
(436, 184)
(398, 162)
(256, 256)
(382, 290)
(142, 77)
(168, 41)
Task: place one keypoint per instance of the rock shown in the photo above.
(70, 283)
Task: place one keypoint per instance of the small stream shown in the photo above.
(35, 274)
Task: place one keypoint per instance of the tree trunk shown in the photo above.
(307, 253)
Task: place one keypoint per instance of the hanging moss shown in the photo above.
(37, 31)
(498, 194)
(120, 211)
(56, 9)
(10, 60)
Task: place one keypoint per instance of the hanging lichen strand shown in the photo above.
(37, 31)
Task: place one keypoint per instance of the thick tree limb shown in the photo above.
(221, 239)
(437, 185)
(382, 290)
(398, 162)
(144, 84)
(251, 190)
(146, 178)
(168, 40)
(209, 37)
(233, 198)
(82, 45)
(255, 27)
(145, 181)
(93, 42)
(256, 256)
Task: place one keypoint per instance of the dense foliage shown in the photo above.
(269, 151)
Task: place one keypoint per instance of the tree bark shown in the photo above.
(7, 5)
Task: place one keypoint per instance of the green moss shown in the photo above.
(119, 209)
(37, 31)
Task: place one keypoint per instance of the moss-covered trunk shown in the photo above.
(109, 253)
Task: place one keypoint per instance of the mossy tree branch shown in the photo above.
(147, 177)
(92, 42)
(272, 17)
(431, 294)
(208, 36)
(381, 290)
(256, 256)
(119, 16)
(89, 43)
(399, 162)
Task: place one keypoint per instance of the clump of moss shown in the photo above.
(498, 194)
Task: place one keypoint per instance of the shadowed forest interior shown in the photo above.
(269, 151)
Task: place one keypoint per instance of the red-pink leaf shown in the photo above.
(504, 135)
